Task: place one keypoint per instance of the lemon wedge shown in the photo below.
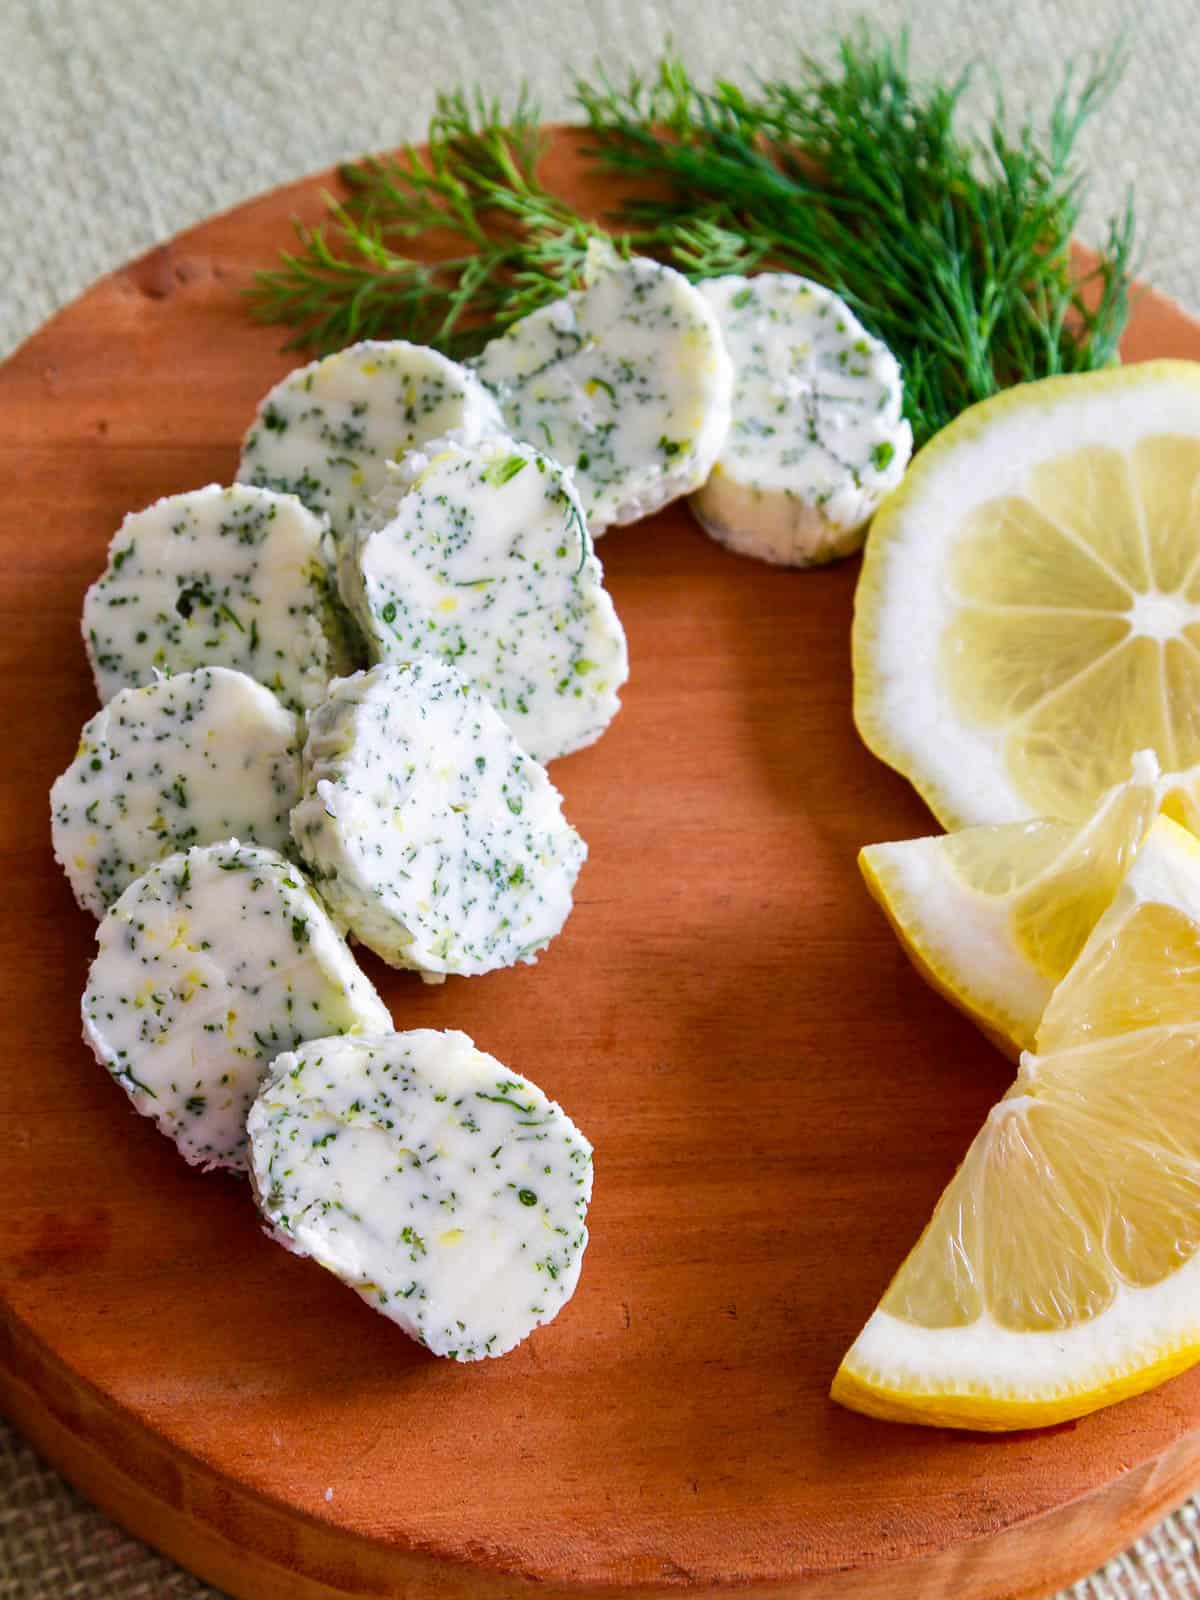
(994, 916)
(1061, 1268)
(1028, 613)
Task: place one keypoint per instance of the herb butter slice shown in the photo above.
(487, 564)
(327, 431)
(194, 759)
(817, 437)
(234, 577)
(429, 832)
(447, 1192)
(208, 966)
(626, 381)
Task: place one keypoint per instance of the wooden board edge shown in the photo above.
(223, 1533)
(251, 1550)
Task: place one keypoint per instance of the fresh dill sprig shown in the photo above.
(954, 249)
(497, 244)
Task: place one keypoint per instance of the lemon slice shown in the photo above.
(1060, 1270)
(993, 917)
(1028, 613)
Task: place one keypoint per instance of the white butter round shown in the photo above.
(486, 563)
(327, 431)
(233, 577)
(817, 437)
(626, 381)
(208, 966)
(428, 831)
(447, 1192)
(204, 756)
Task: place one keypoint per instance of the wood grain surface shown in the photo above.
(775, 1099)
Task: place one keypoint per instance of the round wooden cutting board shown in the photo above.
(775, 1099)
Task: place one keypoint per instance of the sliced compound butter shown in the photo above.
(209, 965)
(817, 437)
(449, 1193)
(193, 759)
(233, 577)
(625, 381)
(428, 831)
(486, 563)
(327, 431)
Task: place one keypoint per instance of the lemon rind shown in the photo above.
(981, 1402)
(1009, 1378)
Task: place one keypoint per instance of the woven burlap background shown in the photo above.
(122, 121)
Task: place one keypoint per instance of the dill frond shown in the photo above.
(952, 248)
(502, 245)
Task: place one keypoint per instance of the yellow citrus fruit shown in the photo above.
(1061, 1268)
(994, 916)
(1028, 614)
